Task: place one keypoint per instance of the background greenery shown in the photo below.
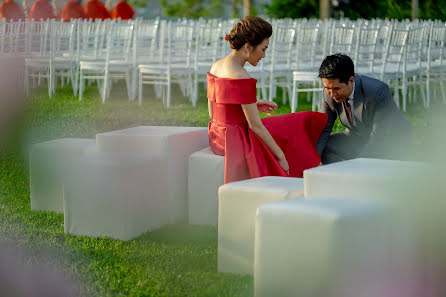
(176, 260)
(392, 9)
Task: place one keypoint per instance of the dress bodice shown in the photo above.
(227, 95)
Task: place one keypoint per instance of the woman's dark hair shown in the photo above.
(250, 29)
(337, 66)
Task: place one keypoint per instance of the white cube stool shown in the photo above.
(238, 203)
(48, 162)
(370, 179)
(173, 145)
(321, 247)
(395, 183)
(206, 175)
(114, 194)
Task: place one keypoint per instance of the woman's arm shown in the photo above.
(256, 125)
(210, 110)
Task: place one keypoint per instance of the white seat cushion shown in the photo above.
(116, 195)
(173, 145)
(48, 163)
(206, 175)
(238, 203)
(321, 247)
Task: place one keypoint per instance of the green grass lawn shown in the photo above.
(176, 260)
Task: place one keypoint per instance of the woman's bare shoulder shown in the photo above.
(223, 69)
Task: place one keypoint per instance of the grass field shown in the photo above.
(176, 260)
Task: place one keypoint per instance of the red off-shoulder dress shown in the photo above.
(246, 155)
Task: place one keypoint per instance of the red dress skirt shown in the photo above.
(246, 155)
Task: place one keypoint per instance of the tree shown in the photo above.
(192, 8)
(246, 7)
(293, 9)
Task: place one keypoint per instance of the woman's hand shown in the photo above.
(284, 163)
(266, 106)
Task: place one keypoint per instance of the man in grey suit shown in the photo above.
(375, 128)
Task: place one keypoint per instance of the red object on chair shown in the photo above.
(72, 10)
(11, 11)
(123, 10)
(95, 9)
(41, 9)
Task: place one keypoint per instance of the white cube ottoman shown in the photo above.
(399, 185)
(370, 179)
(206, 175)
(321, 247)
(173, 145)
(238, 203)
(116, 195)
(48, 162)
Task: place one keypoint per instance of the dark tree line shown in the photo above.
(352, 9)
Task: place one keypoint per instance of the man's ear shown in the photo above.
(351, 79)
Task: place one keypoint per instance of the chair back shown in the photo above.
(395, 50)
(342, 37)
(305, 57)
(145, 46)
(179, 43)
(365, 48)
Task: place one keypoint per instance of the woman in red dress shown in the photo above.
(282, 145)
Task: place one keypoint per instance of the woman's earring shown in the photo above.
(248, 54)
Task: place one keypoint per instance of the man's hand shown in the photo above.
(266, 106)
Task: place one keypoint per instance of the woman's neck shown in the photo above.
(237, 57)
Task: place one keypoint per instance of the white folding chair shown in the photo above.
(206, 44)
(436, 59)
(116, 64)
(12, 50)
(412, 72)
(306, 63)
(145, 47)
(64, 63)
(38, 55)
(174, 62)
(280, 67)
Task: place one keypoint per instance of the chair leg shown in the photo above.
(428, 88)
(81, 86)
(26, 81)
(443, 93)
(76, 80)
(294, 97)
(404, 90)
(128, 85)
(423, 95)
(140, 86)
(50, 85)
(195, 90)
(270, 96)
(105, 89)
(397, 95)
(169, 85)
(134, 85)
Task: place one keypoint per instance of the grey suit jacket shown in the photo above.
(377, 118)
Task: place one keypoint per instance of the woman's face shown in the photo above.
(258, 52)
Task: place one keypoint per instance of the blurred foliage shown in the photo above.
(192, 8)
(293, 9)
(391, 9)
(236, 8)
(433, 9)
(138, 3)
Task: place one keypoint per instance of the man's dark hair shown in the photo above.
(337, 66)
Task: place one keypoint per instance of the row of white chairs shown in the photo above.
(161, 52)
